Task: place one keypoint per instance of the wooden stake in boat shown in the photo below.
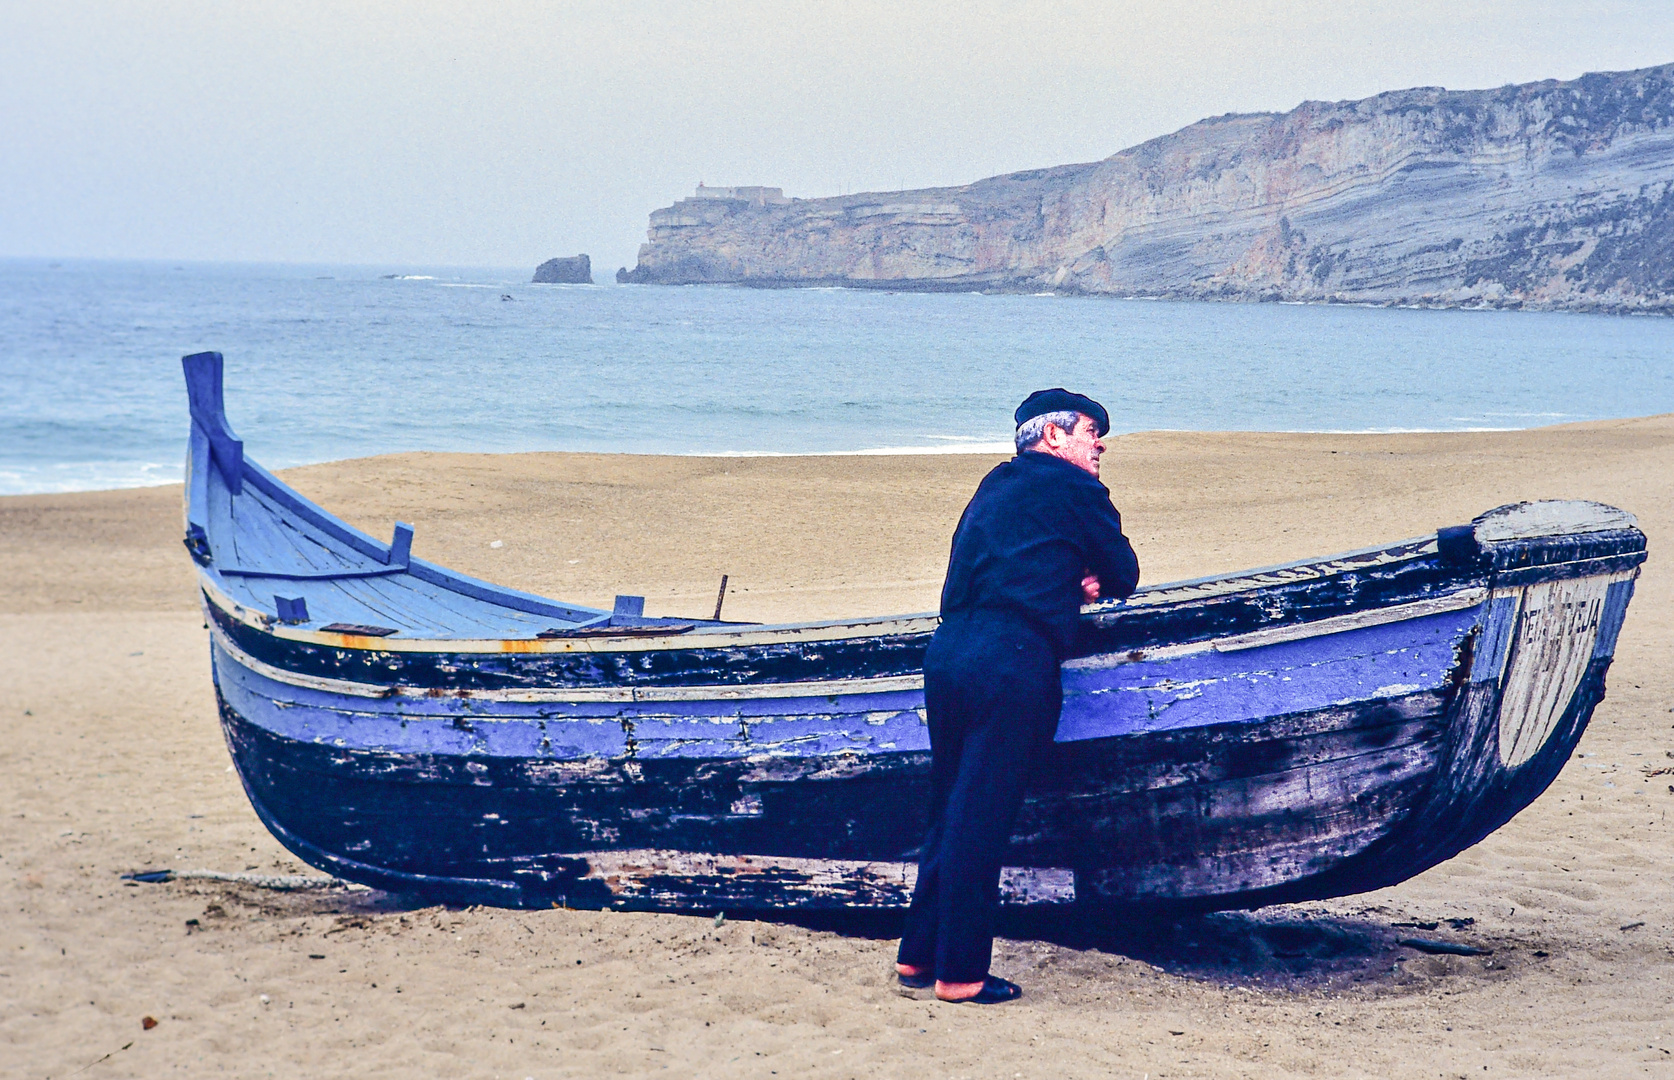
(720, 597)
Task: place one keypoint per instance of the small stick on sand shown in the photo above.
(1448, 948)
(281, 882)
(107, 1057)
(720, 597)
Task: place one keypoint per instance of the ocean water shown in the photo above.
(331, 362)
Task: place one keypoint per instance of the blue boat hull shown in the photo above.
(1178, 783)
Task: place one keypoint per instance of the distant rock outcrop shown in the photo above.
(577, 270)
(1547, 195)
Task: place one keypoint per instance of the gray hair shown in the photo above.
(1032, 430)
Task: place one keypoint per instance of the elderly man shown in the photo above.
(1039, 537)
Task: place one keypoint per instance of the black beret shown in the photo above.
(1058, 399)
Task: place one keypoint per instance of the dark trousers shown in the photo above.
(992, 696)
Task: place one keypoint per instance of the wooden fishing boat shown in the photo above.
(1296, 732)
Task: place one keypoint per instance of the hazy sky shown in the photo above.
(504, 133)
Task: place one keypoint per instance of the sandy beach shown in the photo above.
(113, 762)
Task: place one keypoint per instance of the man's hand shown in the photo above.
(1090, 587)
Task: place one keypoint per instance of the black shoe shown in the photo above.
(916, 982)
(995, 991)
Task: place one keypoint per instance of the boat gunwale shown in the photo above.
(738, 635)
(1458, 600)
(1148, 598)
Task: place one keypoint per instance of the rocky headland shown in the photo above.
(574, 270)
(1552, 195)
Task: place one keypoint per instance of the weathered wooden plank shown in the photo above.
(1610, 622)
(1557, 629)
(795, 718)
(1373, 663)
(790, 661)
(701, 806)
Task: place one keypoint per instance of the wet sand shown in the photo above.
(113, 762)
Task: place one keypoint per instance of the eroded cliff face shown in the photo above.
(1548, 195)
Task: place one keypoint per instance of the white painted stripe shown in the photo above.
(1174, 592)
(577, 695)
(1336, 624)
(1357, 620)
(885, 685)
(922, 623)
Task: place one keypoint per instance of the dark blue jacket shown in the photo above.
(1035, 524)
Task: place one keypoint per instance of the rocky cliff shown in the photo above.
(1547, 195)
(573, 270)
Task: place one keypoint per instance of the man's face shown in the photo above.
(1080, 447)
